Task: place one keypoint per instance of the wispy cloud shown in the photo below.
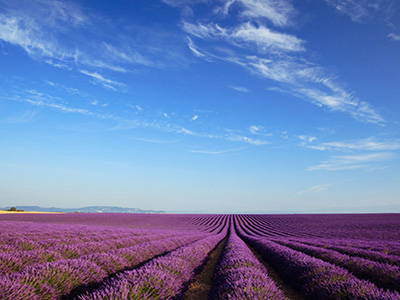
(218, 152)
(276, 56)
(265, 39)
(194, 118)
(107, 83)
(155, 141)
(194, 49)
(24, 117)
(27, 34)
(261, 37)
(278, 12)
(53, 31)
(128, 55)
(368, 144)
(352, 162)
(306, 139)
(259, 130)
(360, 10)
(239, 88)
(394, 37)
(58, 106)
(308, 81)
(315, 189)
(248, 140)
(224, 10)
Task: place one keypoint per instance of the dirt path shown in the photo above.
(287, 290)
(200, 287)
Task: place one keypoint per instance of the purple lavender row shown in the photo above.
(391, 248)
(315, 278)
(20, 243)
(383, 227)
(59, 240)
(68, 246)
(13, 231)
(55, 279)
(161, 278)
(17, 260)
(382, 274)
(144, 221)
(262, 227)
(354, 251)
(239, 275)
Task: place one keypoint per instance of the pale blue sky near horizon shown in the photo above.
(212, 106)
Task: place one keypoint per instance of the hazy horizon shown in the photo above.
(239, 105)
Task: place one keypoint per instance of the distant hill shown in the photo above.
(88, 209)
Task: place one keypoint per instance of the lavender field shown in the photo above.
(137, 256)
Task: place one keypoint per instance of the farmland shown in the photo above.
(138, 256)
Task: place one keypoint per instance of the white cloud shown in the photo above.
(307, 138)
(298, 76)
(27, 35)
(195, 117)
(394, 37)
(154, 141)
(279, 12)
(107, 83)
(182, 3)
(218, 152)
(225, 9)
(51, 31)
(309, 82)
(59, 106)
(265, 39)
(129, 56)
(360, 10)
(185, 131)
(245, 139)
(315, 189)
(257, 129)
(239, 88)
(261, 37)
(25, 117)
(194, 49)
(352, 162)
(368, 144)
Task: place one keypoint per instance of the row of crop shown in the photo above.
(383, 227)
(270, 226)
(28, 230)
(390, 248)
(382, 274)
(15, 261)
(315, 278)
(263, 227)
(260, 225)
(50, 237)
(355, 251)
(55, 279)
(214, 222)
(162, 278)
(121, 220)
(58, 240)
(71, 247)
(239, 275)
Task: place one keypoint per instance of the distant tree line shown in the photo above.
(14, 209)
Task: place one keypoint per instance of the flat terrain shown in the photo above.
(27, 212)
(139, 256)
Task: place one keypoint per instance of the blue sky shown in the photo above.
(213, 106)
